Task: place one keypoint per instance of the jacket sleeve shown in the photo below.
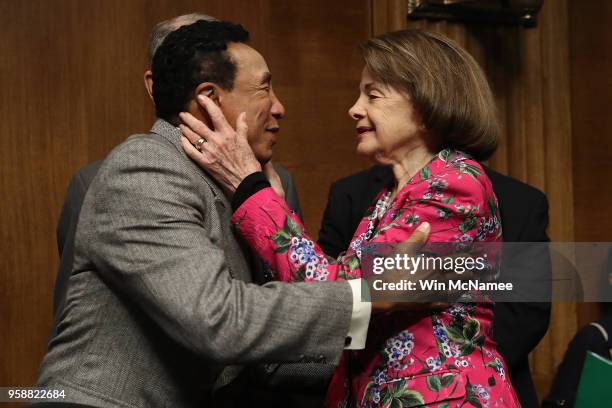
(531, 319)
(150, 235)
(279, 238)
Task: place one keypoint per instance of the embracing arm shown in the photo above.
(278, 237)
(155, 239)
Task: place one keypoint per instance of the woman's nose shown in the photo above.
(356, 112)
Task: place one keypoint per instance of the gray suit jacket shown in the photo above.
(159, 300)
(69, 216)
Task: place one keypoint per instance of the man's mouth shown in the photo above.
(364, 129)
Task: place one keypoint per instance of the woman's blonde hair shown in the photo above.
(445, 84)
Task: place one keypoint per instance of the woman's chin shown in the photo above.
(364, 150)
(372, 155)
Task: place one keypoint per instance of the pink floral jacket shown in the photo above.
(444, 359)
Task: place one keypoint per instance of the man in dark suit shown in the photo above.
(524, 211)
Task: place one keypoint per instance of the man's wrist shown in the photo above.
(360, 318)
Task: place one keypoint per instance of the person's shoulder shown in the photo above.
(591, 337)
(365, 177)
(456, 172)
(283, 173)
(86, 174)
(509, 186)
(143, 149)
(147, 160)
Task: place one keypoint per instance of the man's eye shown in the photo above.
(372, 96)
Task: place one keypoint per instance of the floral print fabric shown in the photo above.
(444, 359)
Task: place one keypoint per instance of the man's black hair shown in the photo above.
(188, 56)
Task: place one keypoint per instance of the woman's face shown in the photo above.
(388, 126)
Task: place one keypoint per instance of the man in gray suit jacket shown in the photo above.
(81, 180)
(69, 216)
(159, 300)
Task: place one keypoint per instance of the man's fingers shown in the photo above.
(419, 236)
(414, 242)
(417, 307)
(215, 113)
(439, 305)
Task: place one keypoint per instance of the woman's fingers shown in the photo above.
(241, 126)
(201, 157)
(190, 134)
(195, 129)
(217, 117)
(420, 235)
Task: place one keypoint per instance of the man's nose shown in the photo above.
(278, 110)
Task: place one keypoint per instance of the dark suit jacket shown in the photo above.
(524, 210)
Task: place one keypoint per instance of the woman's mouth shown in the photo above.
(364, 129)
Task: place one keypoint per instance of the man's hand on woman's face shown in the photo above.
(224, 152)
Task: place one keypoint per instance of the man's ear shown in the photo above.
(210, 90)
(148, 80)
(207, 89)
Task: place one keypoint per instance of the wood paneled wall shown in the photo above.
(591, 83)
(72, 88)
(529, 72)
(71, 81)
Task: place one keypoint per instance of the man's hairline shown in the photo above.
(172, 22)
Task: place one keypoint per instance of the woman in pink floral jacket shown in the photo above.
(425, 110)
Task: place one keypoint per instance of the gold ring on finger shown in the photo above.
(199, 143)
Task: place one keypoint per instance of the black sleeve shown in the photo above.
(249, 186)
(336, 232)
(530, 319)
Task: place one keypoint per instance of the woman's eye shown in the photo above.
(372, 96)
